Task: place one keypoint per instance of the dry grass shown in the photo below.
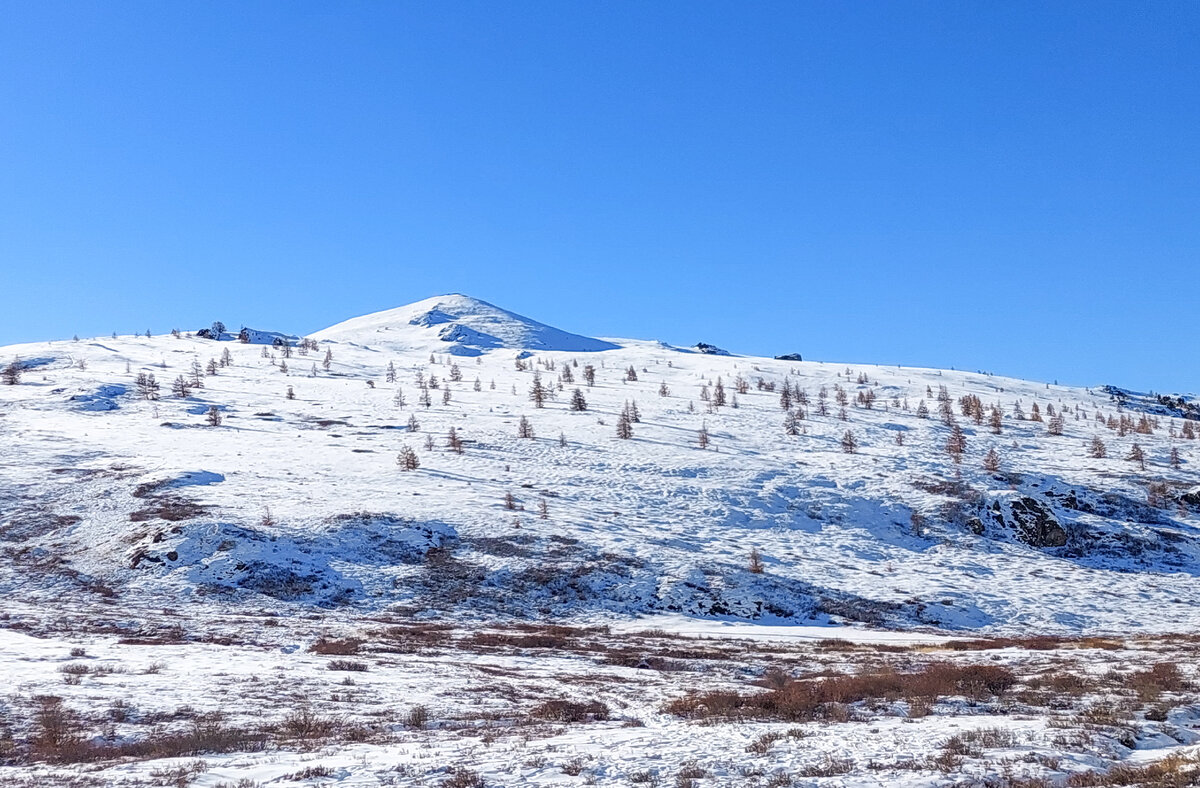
(828, 767)
(170, 508)
(570, 711)
(347, 664)
(58, 736)
(828, 698)
(464, 778)
(347, 647)
(1174, 771)
(762, 744)
(1030, 643)
(1150, 684)
(309, 773)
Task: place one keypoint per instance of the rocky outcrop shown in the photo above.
(1032, 521)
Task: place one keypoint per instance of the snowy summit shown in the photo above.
(459, 325)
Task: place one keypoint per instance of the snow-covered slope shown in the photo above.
(458, 325)
(302, 501)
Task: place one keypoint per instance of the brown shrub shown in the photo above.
(1066, 682)
(919, 707)
(829, 767)
(837, 644)
(338, 648)
(417, 717)
(570, 711)
(305, 723)
(412, 638)
(1158, 713)
(1161, 677)
(763, 743)
(505, 640)
(464, 778)
(170, 508)
(310, 772)
(347, 664)
(58, 736)
(991, 738)
(1170, 772)
(828, 698)
(1032, 643)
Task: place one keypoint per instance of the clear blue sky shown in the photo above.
(1005, 186)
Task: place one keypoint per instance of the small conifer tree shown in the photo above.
(755, 565)
(578, 403)
(1136, 454)
(849, 442)
(408, 459)
(956, 444)
(537, 392)
(624, 426)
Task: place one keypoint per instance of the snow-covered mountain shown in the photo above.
(458, 325)
(756, 488)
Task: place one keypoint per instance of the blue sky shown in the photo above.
(1004, 186)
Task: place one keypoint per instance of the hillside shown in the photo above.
(368, 557)
(111, 495)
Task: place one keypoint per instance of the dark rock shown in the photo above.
(712, 350)
(1035, 523)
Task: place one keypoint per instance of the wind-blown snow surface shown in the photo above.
(301, 501)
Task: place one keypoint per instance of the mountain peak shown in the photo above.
(460, 325)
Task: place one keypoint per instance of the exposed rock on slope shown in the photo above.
(1031, 520)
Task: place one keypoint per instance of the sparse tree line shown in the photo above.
(792, 398)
